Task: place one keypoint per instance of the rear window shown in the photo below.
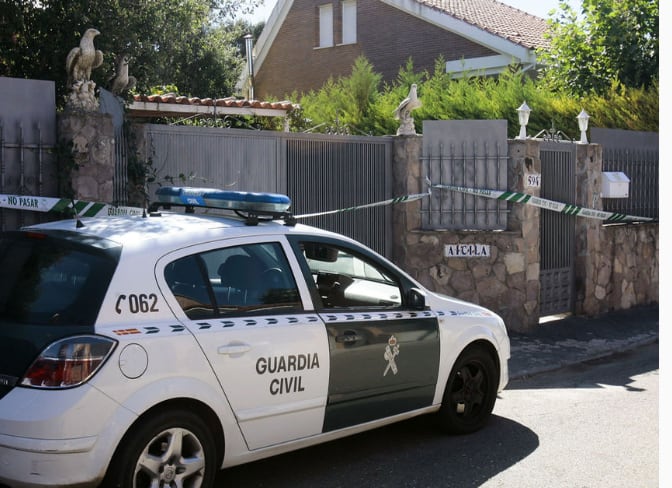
(54, 279)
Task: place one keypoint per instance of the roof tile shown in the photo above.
(497, 18)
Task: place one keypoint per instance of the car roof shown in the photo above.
(171, 230)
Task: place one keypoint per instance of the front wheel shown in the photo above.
(470, 392)
(173, 449)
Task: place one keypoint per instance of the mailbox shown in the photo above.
(615, 185)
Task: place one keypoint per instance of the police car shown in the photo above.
(155, 350)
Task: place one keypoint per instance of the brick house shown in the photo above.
(305, 42)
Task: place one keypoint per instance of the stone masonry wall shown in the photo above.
(92, 137)
(508, 280)
(616, 266)
(626, 271)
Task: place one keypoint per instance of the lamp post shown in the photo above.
(523, 119)
(583, 125)
(250, 65)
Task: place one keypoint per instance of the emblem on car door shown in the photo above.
(391, 352)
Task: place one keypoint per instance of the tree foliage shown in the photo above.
(611, 41)
(330, 109)
(346, 104)
(193, 44)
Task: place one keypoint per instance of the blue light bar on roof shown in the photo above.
(230, 200)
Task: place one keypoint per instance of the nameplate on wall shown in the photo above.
(466, 251)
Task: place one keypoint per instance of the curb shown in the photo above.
(526, 373)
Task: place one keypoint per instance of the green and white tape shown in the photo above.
(565, 208)
(79, 208)
(391, 201)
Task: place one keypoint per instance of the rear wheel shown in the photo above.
(173, 449)
(470, 392)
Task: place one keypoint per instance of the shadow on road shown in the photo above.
(413, 453)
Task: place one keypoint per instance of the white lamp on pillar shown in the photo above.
(583, 125)
(523, 119)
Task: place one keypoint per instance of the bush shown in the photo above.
(359, 105)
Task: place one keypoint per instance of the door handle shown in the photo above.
(348, 337)
(234, 349)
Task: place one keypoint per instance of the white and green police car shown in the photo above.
(155, 350)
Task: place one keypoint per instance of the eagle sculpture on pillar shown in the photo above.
(403, 112)
(81, 60)
(121, 81)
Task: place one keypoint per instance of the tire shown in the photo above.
(170, 449)
(470, 393)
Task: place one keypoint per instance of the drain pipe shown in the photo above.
(250, 66)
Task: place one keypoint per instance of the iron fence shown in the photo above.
(465, 153)
(636, 155)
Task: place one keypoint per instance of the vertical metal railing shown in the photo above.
(474, 165)
(640, 165)
(326, 172)
(22, 171)
(557, 230)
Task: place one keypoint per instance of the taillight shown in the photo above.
(68, 362)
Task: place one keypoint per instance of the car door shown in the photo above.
(244, 306)
(384, 350)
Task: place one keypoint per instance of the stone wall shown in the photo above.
(91, 167)
(626, 271)
(616, 266)
(507, 281)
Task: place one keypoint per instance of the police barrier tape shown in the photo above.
(79, 208)
(565, 208)
(391, 201)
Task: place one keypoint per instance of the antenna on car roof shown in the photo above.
(78, 223)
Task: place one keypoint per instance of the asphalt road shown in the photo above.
(593, 425)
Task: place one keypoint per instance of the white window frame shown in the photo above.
(349, 24)
(326, 25)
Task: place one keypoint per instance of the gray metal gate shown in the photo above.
(326, 172)
(319, 172)
(27, 143)
(558, 182)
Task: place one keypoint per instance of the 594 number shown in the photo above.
(141, 303)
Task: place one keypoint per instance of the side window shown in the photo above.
(254, 278)
(326, 25)
(186, 281)
(345, 279)
(349, 12)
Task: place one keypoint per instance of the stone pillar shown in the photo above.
(88, 172)
(524, 160)
(406, 180)
(592, 269)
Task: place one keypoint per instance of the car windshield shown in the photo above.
(47, 280)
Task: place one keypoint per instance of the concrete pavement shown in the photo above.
(574, 340)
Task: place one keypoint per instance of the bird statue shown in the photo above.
(121, 82)
(403, 111)
(81, 60)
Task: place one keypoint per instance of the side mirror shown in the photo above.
(415, 298)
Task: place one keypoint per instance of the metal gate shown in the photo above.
(27, 145)
(558, 182)
(327, 172)
(319, 172)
